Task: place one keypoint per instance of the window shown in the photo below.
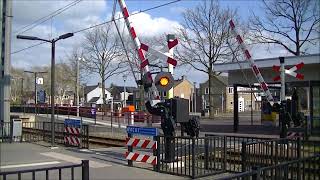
(164, 93)
(206, 91)
(182, 95)
(230, 90)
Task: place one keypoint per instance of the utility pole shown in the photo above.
(53, 42)
(5, 63)
(282, 75)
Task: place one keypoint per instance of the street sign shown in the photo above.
(290, 71)
(39, 80)
(142, 131)
(72, 122)
(41, 96)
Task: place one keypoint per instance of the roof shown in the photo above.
(88, 89)
(222, 79)
(268, 62)
(94, 100)
(128, 89)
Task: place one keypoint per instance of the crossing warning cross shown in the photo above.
(290, 71)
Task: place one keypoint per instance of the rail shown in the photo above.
(303, 168)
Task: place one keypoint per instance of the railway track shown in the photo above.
(106, 141)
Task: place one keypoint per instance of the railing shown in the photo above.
(5, 132)
(232, 150)
(101, 114)
(192, 157)
(49, 173)
(41, 131)
(303, 168)
(273, 152)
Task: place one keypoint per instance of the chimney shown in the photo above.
(183, 78)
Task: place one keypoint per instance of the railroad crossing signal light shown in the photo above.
(164, 81)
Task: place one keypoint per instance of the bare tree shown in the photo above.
(72, 59)
(103, 54)
(203, 40)
(291, 24)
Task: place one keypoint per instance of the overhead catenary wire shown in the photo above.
(46, 18)
(141, 11)
(29, 47)
(106, 22)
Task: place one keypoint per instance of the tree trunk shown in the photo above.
(211, 98)
(103, 91)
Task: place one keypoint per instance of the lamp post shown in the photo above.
(78, 84)
(53, 45)
(124, 87)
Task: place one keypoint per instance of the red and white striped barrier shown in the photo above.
(141, 158)
(290, 71)
(72, 130)
(254, 67)
(71, 137)
(141, 143)
(132, 32)
(72, 140)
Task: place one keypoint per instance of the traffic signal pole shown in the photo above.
(170, 37)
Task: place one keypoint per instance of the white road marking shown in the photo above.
(75, 160)
(29, 165)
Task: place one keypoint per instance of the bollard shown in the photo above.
(85, 169)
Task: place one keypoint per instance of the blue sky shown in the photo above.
(89, 12)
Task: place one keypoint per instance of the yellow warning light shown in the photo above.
(164, 81)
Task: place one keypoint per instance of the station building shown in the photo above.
(308, 88)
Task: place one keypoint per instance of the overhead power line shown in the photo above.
(46, 18)
(38, 44)
(106, 22)
(141, 11)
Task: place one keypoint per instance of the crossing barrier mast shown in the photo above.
(248, 57)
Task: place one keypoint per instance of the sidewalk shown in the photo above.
(105, 163)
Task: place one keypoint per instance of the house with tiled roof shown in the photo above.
(93, 94)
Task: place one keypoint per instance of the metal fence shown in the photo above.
(5, 132)
(41, 131)
(232, 150)
(67, 172)
(190, 156)
(273, 152)
(304, 168)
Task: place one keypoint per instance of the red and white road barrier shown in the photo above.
(72, 136)
(290, 71)
(141, 158)
(72, 140)
(132, 32)
(72, 130)
(141, 143)
(254, 67)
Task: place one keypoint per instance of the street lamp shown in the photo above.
(124, 87)
(53, 44)
(35, 86)
(78, 83)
